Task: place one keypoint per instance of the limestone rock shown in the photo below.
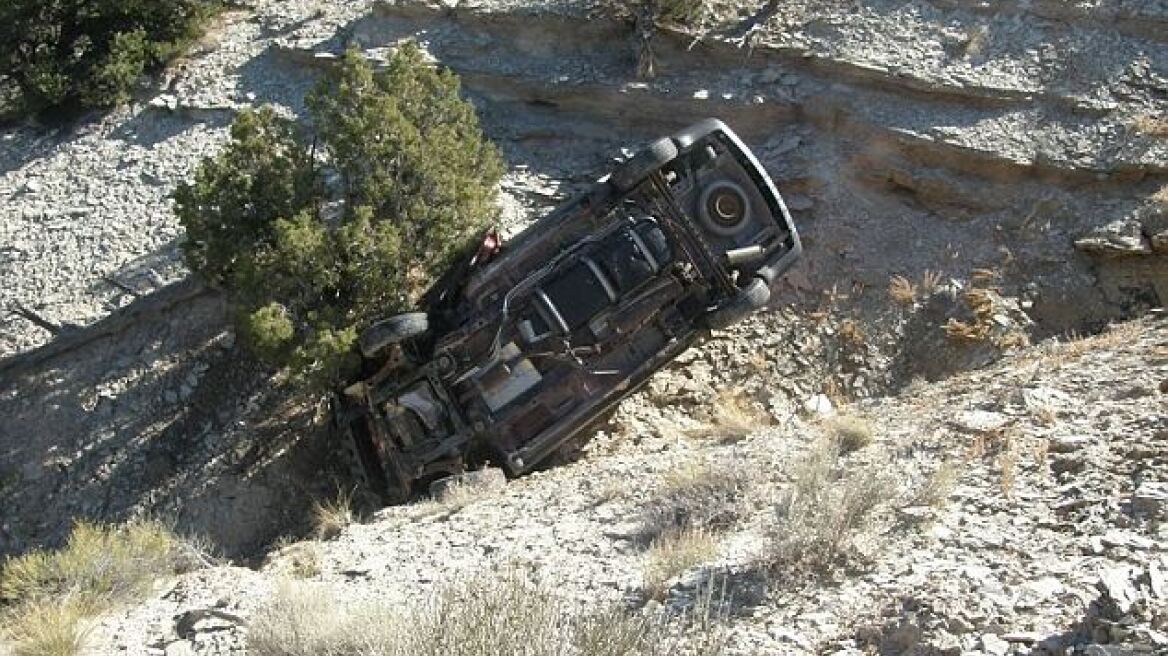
(1117, 588)
(1122, 237)
(994, 645)
(1151, 500)
(818, 405)
(1154, 219)
(179, 648)
(981, 421)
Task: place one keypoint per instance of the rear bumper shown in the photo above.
(791, 247)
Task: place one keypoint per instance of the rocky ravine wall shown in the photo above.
(933, 136)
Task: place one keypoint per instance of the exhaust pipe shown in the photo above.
(745, 255)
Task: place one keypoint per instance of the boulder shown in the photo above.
(1153, 218)
(1120, 238)
(1151, 500)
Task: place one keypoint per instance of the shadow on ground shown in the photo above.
(156, 411)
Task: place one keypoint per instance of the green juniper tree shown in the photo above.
(65, 55)
(307, 265)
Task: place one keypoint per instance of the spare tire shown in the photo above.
(654, 156)
(393, 330)
(724, 209)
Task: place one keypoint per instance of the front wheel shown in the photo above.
(640, 166)
(393, 330)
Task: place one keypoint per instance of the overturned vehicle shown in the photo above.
(523, 347)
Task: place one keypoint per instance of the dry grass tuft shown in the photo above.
(301, 620)
(990, 443)
(609, 491)
(331, 516)
(458, 496)
(963, 331)
(47, 596)
(674, 553)
(482, 616)
(697, 497)
(824, 512)
(1116, 335)
(852, 334)
(1045, 415)
(902, 290)
(930, 282)
(975, 40)
(850, 432)
(733, 417)
(1041, 456)
(906, 292)
(1152, 126)
(98, 563)
(304, 560)
(1002, 446)
(981, 328)
(985, 277)
(938, 487)
(48, 627)
(452, 498)
(1008, 469)
(1015, 339)
(683, 12)
(982, 306)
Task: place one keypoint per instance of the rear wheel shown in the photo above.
(750, 298)
(393, 330)
(654, 156)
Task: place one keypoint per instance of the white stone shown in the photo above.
(820, 405)
(994, 645)
(981, 421)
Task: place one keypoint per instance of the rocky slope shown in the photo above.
(1011, 149)
(1050, 537)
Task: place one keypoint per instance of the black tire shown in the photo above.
(749, 299)
(688, 136)
(393, 330)
(654, 156)
(724, 224)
